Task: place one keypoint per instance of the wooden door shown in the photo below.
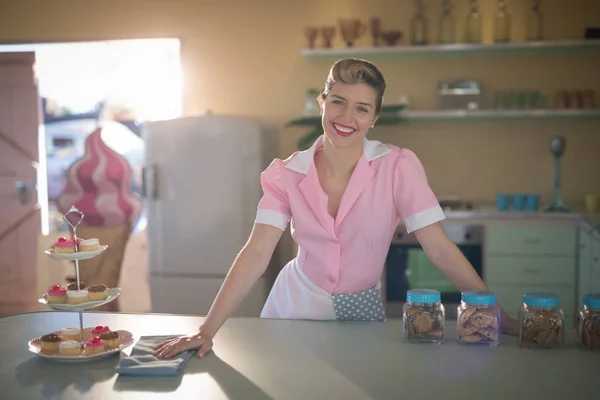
(20, 222)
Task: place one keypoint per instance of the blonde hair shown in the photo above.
(353, 70)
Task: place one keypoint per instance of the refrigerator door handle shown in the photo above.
(149, 186)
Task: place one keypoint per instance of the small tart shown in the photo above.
(77, 296)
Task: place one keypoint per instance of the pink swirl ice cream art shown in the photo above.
(99, 185)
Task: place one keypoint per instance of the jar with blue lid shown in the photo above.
(423, 317)
(478, 318)
(542, 321)
(588, 322)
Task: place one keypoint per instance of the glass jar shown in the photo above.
(311, 104)
(423, 317)
(588, 322)
(542, 321)
(478, 319)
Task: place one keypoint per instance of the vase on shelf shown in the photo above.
(535, 27)
(502, 23)
(419, 26)
(473, 26)
(447, 27)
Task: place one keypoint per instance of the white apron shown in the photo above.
(294, 296)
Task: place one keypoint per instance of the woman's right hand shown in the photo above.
(172, 347)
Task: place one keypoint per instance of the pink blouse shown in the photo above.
(347, 254)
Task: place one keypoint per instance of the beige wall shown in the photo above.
(242, 57)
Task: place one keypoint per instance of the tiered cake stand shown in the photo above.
(125, 337)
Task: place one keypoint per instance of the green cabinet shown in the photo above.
(524, 258)
(589, 264)
(531, 240)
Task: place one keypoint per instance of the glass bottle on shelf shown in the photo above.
(474, 24)
(418, 25)
(446, 28)
(502, 23)
(535, 26)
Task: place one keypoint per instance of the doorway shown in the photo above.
(84, 84)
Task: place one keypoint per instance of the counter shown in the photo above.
(283, 359)
(489, 214)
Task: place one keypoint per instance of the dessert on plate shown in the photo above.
(94, 346)
(70, 334)
(65, 245)
(92, 244)
(70, 348)
(77, 296)
(56, 295)
(111, 339)
(73, 285)
(98, 330)
(50, 342)
(98, 292)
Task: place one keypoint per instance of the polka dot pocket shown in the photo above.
(360, 306)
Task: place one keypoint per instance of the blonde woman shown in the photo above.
(344, 197)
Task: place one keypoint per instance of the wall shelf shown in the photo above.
(432, 115)
(453, 50)
(457, 115)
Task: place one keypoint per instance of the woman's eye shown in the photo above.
(337, 102)
(362, 109)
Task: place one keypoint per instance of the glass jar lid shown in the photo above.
(541, 299)
(427, 296)
(478, 297)
(592, 300)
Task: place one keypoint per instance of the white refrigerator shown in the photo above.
(201, 188)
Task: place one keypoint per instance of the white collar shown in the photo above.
(301, 162)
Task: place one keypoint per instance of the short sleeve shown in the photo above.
(415, 201)
(273, 208)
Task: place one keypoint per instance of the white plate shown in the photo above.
(113, 293)
(83, 255)
(36, 348)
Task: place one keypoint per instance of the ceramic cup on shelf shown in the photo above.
(502, 202)
(533, 202)
(519, 202)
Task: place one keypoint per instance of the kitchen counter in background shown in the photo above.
(489, 214)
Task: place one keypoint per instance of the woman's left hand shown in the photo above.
(510, 326)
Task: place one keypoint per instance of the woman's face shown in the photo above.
(347, 114)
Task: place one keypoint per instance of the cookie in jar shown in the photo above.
(542, 321)
(588, 322)
(478, 318)
(423, 317)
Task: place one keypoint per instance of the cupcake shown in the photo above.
(50, 342)
(56, 295)
(70, 334)
(98, 292)
(69, 348)
(89, 245)
(111, 339)
(65, 246)
(97, 331)
(73, 286)
(94, 346)
(77, 296)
